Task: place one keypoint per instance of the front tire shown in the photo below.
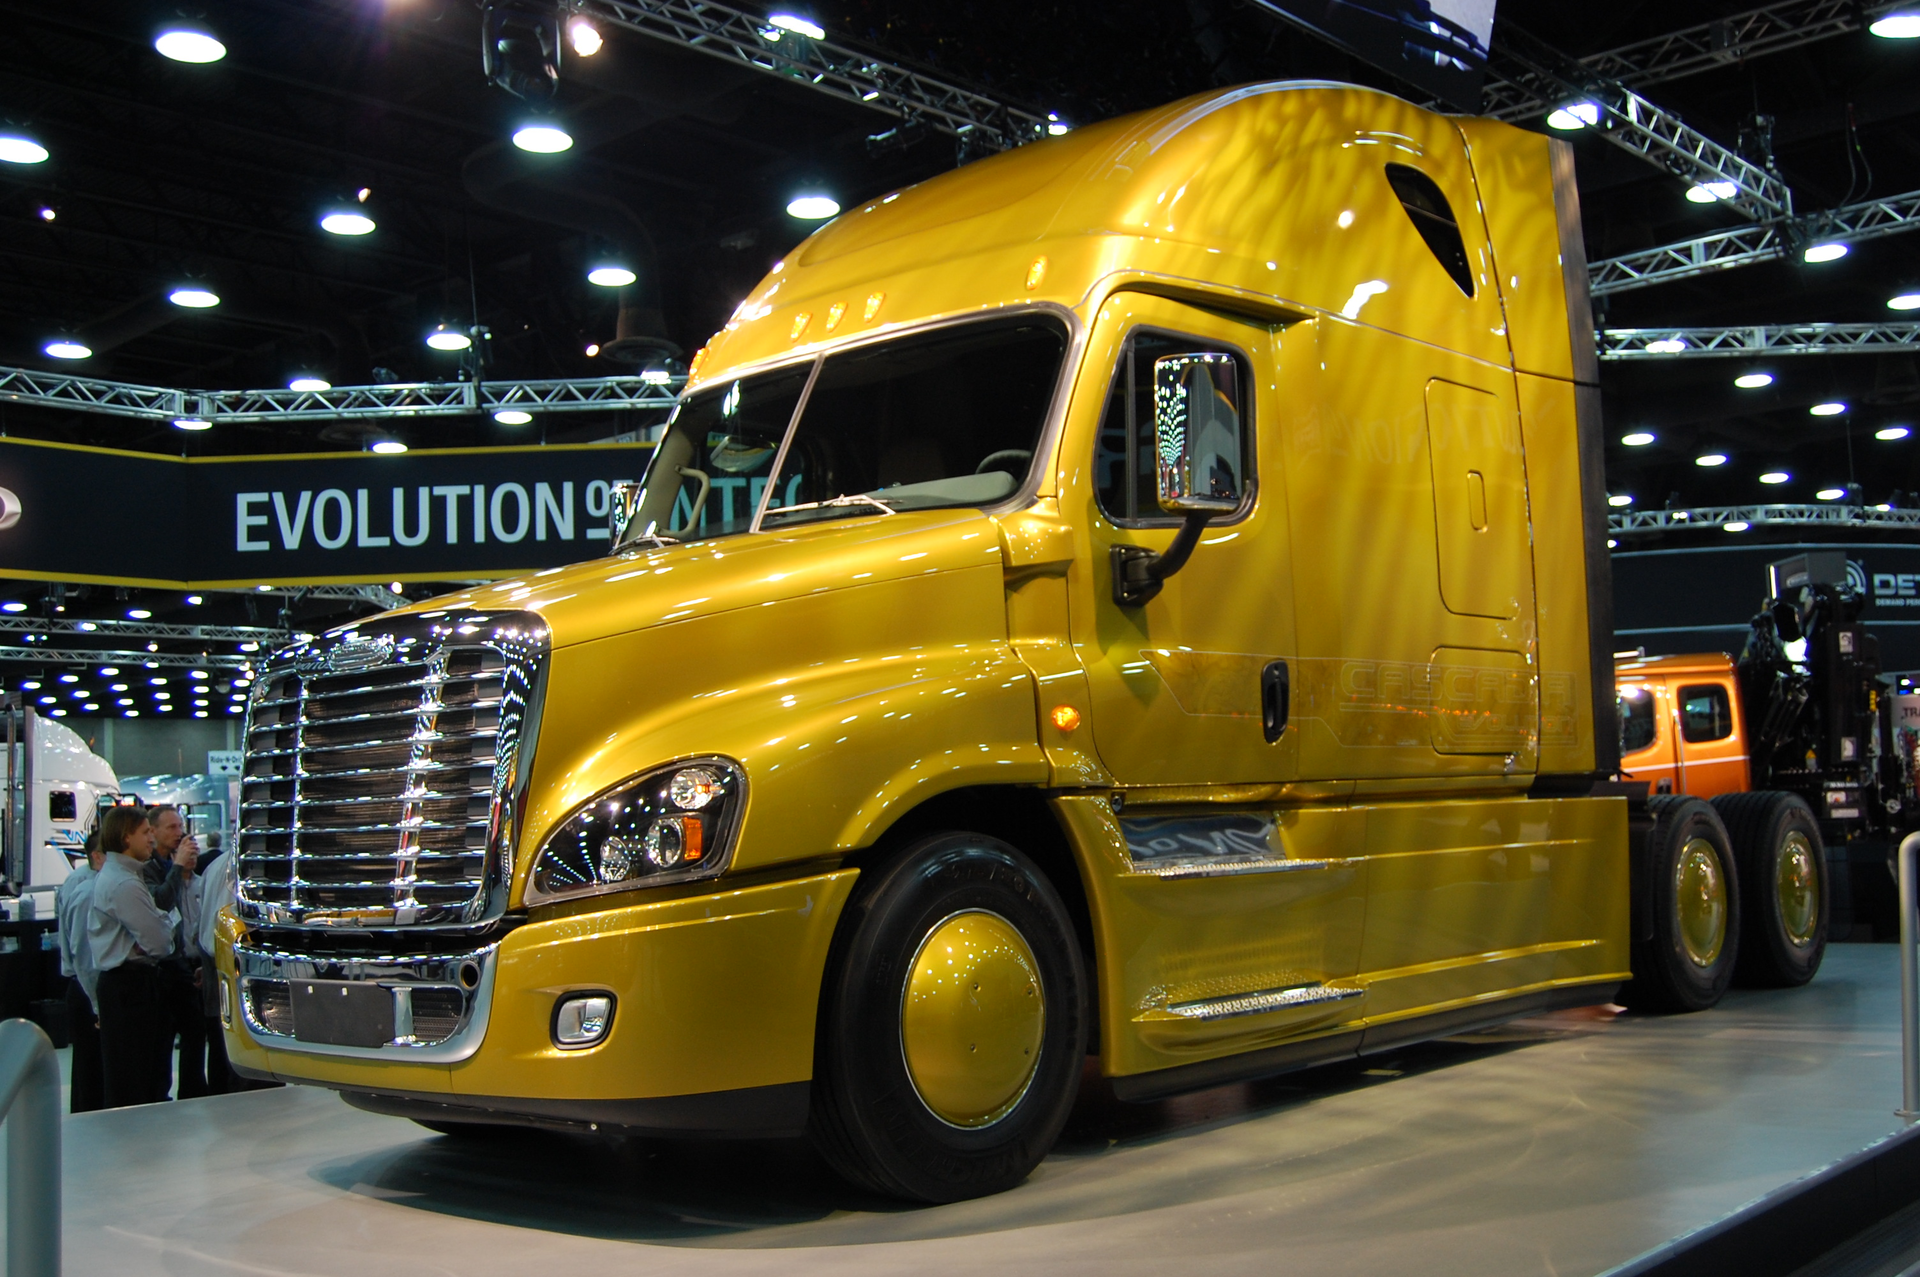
(952, 1023)
(1783, 887)
(1694, 893)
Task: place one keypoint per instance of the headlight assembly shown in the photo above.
(671, 824)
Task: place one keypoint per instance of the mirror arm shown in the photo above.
(1138, 572)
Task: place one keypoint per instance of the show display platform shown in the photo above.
(1565, 1144)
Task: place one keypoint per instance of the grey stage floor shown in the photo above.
(1561, 1145)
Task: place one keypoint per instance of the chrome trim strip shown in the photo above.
(1265, 1000)
(1201, 867)
(398, 973)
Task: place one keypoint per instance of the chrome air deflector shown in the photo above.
(386, 770)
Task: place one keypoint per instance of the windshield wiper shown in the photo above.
(833, 503)
(660, 539)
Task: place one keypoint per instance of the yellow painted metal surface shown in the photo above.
(972, 1018)
(1411, 549)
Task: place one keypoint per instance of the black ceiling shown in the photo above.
(164, 173)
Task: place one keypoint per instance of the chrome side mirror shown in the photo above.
(621, 496)
(1196, 433)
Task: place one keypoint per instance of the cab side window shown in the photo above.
(1706, 713)
(62, 804)
(1124, 453)
(1637, 726)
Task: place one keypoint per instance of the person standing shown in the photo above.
(176, 889)
(127, 935)
(216, 888)
(70, 905)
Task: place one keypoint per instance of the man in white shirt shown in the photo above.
(70, 905)
(128, 935)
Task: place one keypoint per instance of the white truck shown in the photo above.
(55, 787)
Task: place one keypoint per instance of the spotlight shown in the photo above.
(194, 298)
(388, 446)
(1057, 127)
(445, 338)
(1829, 252)
(184, 44)
(611, 276)
(192, 423)
(14, 606)
(1574, 115)
(542, 139)
(593, 348)
(1711, 192)
(47, 213)
(813, 208)
(139, 614)
(343, 223)
(1902, 24)
(585, 37)
(309, 383)
(1711, 459)
(1738, 525)
(1890, 433)
(360, 196)
(64, 349)
(1666, 346)
(1827, 409)
(1775, 476)
(1620, 499)
(1830, 494)
(1753, 380)
(520, 48)
(1905, 301)
(15, 149)
(797, 23)
(1638, 439)
(512, 417)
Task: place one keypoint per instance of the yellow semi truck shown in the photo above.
(1143, 595)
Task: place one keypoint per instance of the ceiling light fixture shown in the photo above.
(1830, 494)
(1666, 346)
(185, 44)
(1827, 252)
(1057, 127)
(1753, 380)
(64, 349)
(1890, 433)
(346, 223)
(585, 37)
(1711, 459)
(542, 139)
(309, 383)
(194, 298)
(15, 149)
(445, 338)
(797, 23)
(46, 213)
(1775, 476)
(813, 207)
(138, 613)
(1738, 525)
(1638, 439)
(388, 446)
(192, 423)
(1620, 499)
(512, 417)
(610, 276)
(1905, 301)
(1574, 115)
(1827, 409)
(1902, 24)
(1712, 192)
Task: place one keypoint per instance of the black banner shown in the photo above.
(123, 518)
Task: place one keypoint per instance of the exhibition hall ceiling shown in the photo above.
(215, 176)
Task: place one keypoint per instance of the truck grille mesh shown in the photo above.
(382, 771)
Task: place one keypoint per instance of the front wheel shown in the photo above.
(952, 1023)
(1783, 886)
(1694, 893)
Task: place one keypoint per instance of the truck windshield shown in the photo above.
(947, 418)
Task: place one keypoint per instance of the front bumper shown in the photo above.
(713, 993)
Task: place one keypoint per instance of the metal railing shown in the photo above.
(1909, 982)
(30, 1102)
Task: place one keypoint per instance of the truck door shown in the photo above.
(1713, 755)
(1646, 736)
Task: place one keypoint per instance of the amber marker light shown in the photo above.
(1065, 717)
(800, 322)
(835, 313)
(1036, 273)
(873, 307)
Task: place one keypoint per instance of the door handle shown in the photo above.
(1275, 699)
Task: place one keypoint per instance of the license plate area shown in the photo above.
(342, 1013)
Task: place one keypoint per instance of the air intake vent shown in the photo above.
(1433, 217)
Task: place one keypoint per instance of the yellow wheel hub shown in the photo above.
(972, 1018)
(1797, 887)
(1700, 892)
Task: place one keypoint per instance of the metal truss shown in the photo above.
(1526, 77)
(102, 656)
(1717, 517)
(150, 630)
(1769, 339)
(342, 403)
(378, 595)
(980, 123)
(1749, 245)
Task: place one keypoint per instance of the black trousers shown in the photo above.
(184, 1018)
(85, 1084)
(135, 1037)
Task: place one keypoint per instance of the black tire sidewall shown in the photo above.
(902, 1146)
(1768, 956)
(1665, 978)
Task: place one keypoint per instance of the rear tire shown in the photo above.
(1695, 897)
(1782, 866)
(953, 1022)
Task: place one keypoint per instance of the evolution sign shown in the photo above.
(90, 514)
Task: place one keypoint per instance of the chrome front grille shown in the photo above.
(384, 769)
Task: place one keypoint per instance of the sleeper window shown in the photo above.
(1123, 456)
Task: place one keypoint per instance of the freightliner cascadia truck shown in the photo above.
(1140, 596)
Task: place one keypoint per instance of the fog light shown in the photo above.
(226, 1004)
(582, 1019)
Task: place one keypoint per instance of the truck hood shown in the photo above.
(644, 588)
